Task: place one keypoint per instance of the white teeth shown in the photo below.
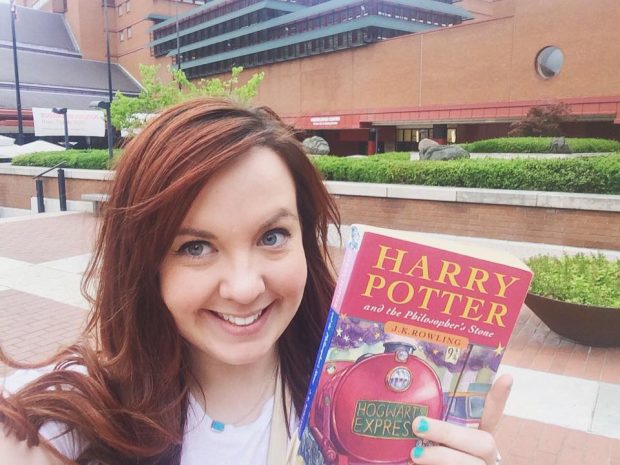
(237, 321)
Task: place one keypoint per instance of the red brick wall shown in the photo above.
(476, 63)
(578, 228)
(16, 191)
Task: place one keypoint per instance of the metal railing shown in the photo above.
(62, 192)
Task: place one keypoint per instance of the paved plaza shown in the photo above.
(564, 408)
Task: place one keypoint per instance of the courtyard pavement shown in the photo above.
(564, 407)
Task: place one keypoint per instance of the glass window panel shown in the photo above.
(549, 62)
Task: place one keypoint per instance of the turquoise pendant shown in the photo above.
(217, 426)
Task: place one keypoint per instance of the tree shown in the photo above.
(130, 113)
(544, 120)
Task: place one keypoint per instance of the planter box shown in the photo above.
(585, 324)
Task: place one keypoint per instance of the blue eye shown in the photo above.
(275, 237)
(195, 249)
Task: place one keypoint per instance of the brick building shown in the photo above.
(381, 74)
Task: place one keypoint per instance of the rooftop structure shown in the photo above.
(52, 72)
(213, 38)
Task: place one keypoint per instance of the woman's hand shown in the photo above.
(457, 445)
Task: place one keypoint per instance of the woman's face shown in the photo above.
(235, 274)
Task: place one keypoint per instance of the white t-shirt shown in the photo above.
(235, 445)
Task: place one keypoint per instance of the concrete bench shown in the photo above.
(97, 199)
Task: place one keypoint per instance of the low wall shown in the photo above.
(17, 185)
(578, 220)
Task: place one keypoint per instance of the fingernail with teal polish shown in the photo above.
(417, 452)
(423, 426)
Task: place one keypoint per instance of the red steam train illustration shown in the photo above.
(363, 410)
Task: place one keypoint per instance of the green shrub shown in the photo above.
(394, 156)
(600, 175)
(596, 175)
(581, 279)
(83, 159)
(539, 145)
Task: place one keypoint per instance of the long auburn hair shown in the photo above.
(132, 405)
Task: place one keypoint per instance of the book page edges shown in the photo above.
(343, 278)
(463, 248)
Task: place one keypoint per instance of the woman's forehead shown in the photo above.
(250, 191)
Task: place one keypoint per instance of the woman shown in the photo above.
(212, 285)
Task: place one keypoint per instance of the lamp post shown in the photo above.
(20, 127)
(176, 12)
(106, 106)
(110, 97)
(63, 112)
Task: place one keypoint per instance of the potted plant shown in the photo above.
(578, 297)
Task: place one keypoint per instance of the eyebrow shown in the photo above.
(281, 214)
(195, 232)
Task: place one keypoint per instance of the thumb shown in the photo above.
(495, 403)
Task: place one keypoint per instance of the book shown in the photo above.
(417, 326)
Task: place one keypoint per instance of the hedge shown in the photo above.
(540, 145)
(83, 159)
(595, 175)
(598, 175)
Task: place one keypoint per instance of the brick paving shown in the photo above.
(535, 347)
(32, 328)
(44, 239)
(526, 442)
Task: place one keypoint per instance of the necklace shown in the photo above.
(218, 426)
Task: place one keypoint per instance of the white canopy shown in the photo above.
(32, 147)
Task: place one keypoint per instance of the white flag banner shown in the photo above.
(79, 123)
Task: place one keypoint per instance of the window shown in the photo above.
(451, 136)
(122, 35)
(120, 10)
(128, 6)
(129, 32)
(404, 135)
(549, 62)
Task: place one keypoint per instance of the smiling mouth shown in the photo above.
(240, 321)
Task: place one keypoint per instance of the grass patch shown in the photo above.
(580, 279)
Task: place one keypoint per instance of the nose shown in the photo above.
(242, 281)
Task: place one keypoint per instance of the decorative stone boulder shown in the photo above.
(444, 152)
(424, 144)
(559, 145)
(316, 146)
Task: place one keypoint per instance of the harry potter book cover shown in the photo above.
(417, 326)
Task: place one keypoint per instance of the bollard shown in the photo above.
(40, 204)
(62, 192)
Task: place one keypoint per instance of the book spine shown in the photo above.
(330, 327)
